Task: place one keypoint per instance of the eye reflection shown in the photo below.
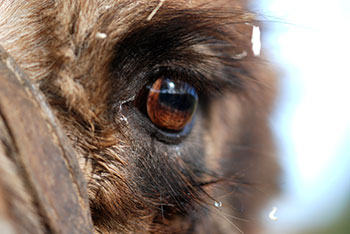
(171, 104)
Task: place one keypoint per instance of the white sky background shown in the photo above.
(311, 42)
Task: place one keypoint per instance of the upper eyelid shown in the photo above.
(193, 52)
(198, 81)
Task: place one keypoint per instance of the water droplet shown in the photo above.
(100, 35)
(256, 43)
(218, 204)
(272, 214)
(177, 149)
(123, 118)
(120, 109)
(107, 7)
(241, 55)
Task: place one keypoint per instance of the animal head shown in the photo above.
(165, 103)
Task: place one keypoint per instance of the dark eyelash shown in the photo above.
(203, 85)
(188, 45)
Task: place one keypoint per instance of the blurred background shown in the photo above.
(309, 41)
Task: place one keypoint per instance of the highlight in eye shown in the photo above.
(171, 103)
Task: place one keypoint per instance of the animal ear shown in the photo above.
(42, 188)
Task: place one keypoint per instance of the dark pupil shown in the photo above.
(182, 97)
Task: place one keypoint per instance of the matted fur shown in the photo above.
(92, 59)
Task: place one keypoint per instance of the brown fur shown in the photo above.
(138, 180)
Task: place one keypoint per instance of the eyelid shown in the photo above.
(202, 84)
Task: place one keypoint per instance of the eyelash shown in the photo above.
(203, 86)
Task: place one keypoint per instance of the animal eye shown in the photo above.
(171, 104)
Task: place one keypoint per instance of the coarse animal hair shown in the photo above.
(92, 60)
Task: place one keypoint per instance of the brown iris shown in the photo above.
(171, 104)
